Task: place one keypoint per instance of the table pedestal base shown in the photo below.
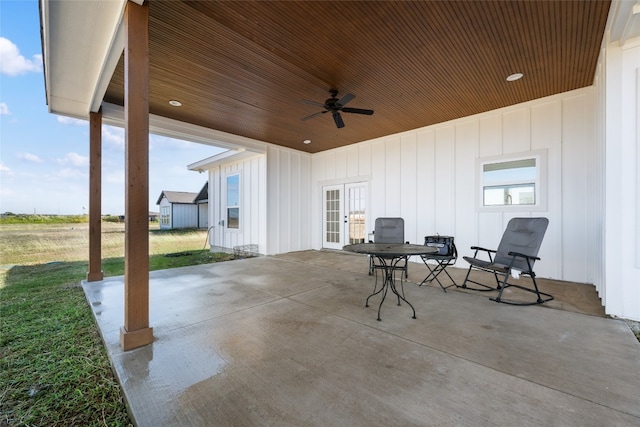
(389, 265)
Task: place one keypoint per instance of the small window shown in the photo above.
(233, 201)
(512, 182)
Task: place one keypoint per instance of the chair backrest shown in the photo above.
(389, 230)
(523, 235)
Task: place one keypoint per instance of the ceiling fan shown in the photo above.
(334, 106)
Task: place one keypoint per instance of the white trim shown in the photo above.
(340, 224)
(230, 156)
(114, 52)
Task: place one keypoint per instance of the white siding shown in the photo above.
(428, 176)
(252, 229)
(184, 216)
(617, 212)
(288, 217)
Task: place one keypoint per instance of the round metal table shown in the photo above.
(389, 255)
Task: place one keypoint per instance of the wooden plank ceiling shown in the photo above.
(244, 67)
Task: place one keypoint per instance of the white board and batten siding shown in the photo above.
(288, 184)
(617, 159)
(275, 201)
(184, 215)
(428, 176)
(252, 221)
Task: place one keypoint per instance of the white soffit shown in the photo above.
(114, 115)
(624, 20)
(82, 42)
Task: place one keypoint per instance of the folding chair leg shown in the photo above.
(435, 272)
(453, 282)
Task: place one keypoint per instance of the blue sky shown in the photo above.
(44, 158)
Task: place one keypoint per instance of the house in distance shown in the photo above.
(181, 209)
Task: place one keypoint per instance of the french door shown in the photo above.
(344, 213)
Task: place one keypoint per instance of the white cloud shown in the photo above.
(70, 173)
(4, 109)
(74, 159)
(32, 158)
(113, 135)
(13, 64)
(70, 121)
(5, 170)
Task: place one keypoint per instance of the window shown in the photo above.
(233, 201)
(513, 182)
(164, 215)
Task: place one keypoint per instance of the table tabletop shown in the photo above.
(390, 249)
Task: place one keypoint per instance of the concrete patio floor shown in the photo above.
(287, 341)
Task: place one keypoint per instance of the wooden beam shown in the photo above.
(95, 197)
(136, 331)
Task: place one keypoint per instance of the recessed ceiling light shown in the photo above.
(514, 77)
(175, 103)
(307, 141)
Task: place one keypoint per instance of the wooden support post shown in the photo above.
(95, 197)
(136, 331)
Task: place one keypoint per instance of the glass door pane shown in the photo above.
(356, 212)
(332, 217)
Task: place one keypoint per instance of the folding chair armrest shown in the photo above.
(518, 254)
(478, 248)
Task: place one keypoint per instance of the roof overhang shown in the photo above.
(82, 42)
(221, 159)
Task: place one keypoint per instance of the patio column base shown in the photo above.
(134, 339)
(95, 277)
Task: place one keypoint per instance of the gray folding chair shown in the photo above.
(517, 252)
(446, 256)
(389, 230)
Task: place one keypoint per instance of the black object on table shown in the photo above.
(389, 256)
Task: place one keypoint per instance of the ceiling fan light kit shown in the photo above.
(335, 106)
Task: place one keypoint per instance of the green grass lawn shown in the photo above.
(54, 369)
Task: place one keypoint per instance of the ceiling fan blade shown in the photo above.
(357, 111)
(314, 103)
(313, 115)
(348, 97)
(338, 119)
